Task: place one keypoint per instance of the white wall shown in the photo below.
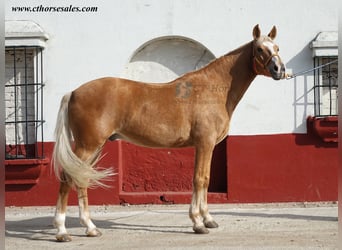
(84, 46)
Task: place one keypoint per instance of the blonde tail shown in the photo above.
(81, 173)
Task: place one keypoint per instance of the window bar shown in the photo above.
(41, 102)
(26, 142)
(36, 80)
(330, 88)
(316, 87)
(15, 103)
(319, 73)
(37, 101)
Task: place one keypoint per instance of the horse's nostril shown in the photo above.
(275, 68)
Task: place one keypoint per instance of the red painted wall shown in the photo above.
(281, 168)
(263, 168)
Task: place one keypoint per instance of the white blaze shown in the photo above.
(270, 46)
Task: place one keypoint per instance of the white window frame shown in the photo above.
(24, 42)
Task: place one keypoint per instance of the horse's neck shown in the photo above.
(238, 72)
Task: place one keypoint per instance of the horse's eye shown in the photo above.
(259, 50)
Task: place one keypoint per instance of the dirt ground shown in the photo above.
(249, 226)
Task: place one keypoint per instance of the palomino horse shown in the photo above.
(182, 113)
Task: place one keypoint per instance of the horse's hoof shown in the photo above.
(94, 233)
(211, 224)
(201, 230)
(63, 238)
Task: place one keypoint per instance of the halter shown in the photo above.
(256, 61)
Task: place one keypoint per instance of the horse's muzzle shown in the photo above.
(277, 71)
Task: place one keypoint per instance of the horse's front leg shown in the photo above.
(85, 220)
(199, 212)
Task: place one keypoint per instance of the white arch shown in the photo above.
(165, 58)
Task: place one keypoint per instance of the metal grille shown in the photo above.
(325, 87)
(24, 102)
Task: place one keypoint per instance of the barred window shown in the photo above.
(25, 42)
(325, 87)
(24, 102)
(325, 54)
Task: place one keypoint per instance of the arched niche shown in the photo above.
(165, 58)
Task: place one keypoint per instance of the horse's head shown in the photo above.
(266, 60)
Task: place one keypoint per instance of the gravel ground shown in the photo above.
(249, 226)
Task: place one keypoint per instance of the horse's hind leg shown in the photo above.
(85, 220)
(62, 202)
(84, 153)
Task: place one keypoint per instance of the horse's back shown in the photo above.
(146, 114)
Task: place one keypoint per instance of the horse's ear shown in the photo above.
(273, 33)
(256, 32)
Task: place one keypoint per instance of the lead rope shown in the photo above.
(291, 76)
